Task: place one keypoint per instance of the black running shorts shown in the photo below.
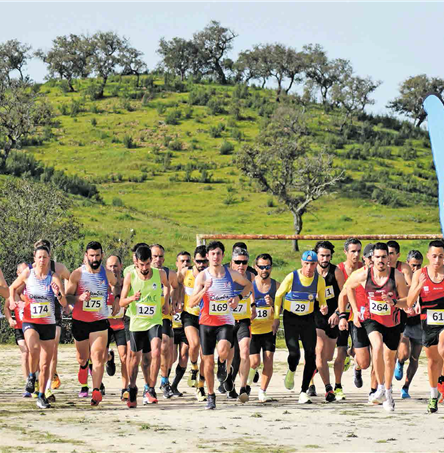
(46, 331)
(118, 336)
(82, 329)
(179, 336)
(391, 336)
(210, 335)
(262, 341)
(167, 327)
(141, 341)
(189, 320)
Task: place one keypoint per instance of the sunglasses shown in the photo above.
(201, 261)
(240, 262)
(267, 266)
(185, 261)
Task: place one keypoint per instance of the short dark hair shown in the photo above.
(213, 245)
(324, 245)
(42, 247)
(381, 246)
(143, 253)
(241, 245)
(394, 245)
(117, 256)
(139, 244)
(414, 255)
(436, 243)
(94, 245)
(184, 252)
(351, 241)
(264, 256)
(158, 246)
(200, 250)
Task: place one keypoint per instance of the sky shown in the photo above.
(387, 41)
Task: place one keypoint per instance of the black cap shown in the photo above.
(368, 250)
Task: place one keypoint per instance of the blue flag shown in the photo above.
(434, 108)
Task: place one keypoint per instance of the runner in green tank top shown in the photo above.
(142, 295)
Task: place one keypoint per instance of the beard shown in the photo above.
(94, 264)
(145, 272)
(264, 275)
(324, 265)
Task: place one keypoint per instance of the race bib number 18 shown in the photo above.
(263, 313)
(219, 307)
(40, 309)
(435, 317)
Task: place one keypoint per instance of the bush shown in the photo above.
(76, 107)
(188, 112)
(237, 135)
(176, 145)
(216, 131)
(215, 106)
(241, 91)
(161, 108)
(173, 117)
(226, 148)
(117, 202)
(128, 142)
(198, 96)
(93, 122)
(94, 91)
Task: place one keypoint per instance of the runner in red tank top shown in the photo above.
(385, 288)
(428, 284)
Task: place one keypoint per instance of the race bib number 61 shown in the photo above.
(435, 317)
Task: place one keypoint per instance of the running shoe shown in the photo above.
(132, 397)
(389, 403)
(330, 396)
(82, 375)
(251, 375)
(357, 380)
(192, 378)
(221, 389)
(441, 387)
(432, 407)
(55, 384)
(399, 370)
(90, 368)
(304, 398)
(339, 393)
(30, 383)
(405, 393)
(222, 371)
(312, 390)
(27, 395)
(35, 395)
(124, 395)
(211, 403)
(96, 397)
(256, 377)
(243, 395)
(111, 365)
(347, 363)
(176, 392)
(200, 395)
(83, 392)
(102, 389)
(233, 395)
(378, 397)
(150, 397)
(262, 396)
(248, 388)
(289, 380)
(166, 390)
(50, 396)
(228, 383)
(42, 402)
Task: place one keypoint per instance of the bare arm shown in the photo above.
(18, 282)
(201, 286)
(408, 274)
(58, 290)
(115, 289)
(353, 282)
(71, 290)
(166, 292)
(124, 300)
(418, 281)
(4, 290)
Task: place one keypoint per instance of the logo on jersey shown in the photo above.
(154, 286)
(425, 288)
(310, 297)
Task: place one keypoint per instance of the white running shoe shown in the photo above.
(262, 396)
(304, 398)
(378, 397)
(389, 403)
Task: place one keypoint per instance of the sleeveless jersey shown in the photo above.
(115, 322)
(214, 308)
(399, 266)
(95, 309)
(344, 270)
(188, 283)
(377, 309)
(263, 323)
(40, 303)
(147, 311)
(169, 316)
(243, 310)
(331, 290)
(431, 299)
(18, 315)
(301, 299)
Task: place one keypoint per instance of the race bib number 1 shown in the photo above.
(435, 317)
(40, 309)
(300, 308)
(219, 307)
(329, 292)
(93, 304)
(378, 307)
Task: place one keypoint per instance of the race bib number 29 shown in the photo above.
(300, 308)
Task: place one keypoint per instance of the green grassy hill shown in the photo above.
(164, 167)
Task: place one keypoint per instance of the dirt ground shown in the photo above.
(183, 425)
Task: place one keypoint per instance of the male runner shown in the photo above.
(300, 290)
(116, 330)
(239, 357)
(410, 346)
(327, 325)
(42, 287)
(166, 352)
(87, 295)
(190, 319)
(142, 294)
(386, 290)
(262, 338)
(215, 288)
(428, 284)
(394, 254)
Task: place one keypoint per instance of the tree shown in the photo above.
(131, 61)
(213, 43)
(28, 212)
(177, 56)
(281, 162)
(411, 95)
(14, 56)
(69, 58)
(322, 72)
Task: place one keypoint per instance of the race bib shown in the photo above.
(263, 313)
(241, 308)
(145, 310)
(348, 307)
(219, 307)
(93, 304)
(177, 319)
(379, 307)
(329, 292)
(435, 317)
(40, 309)
(119, 314)
(300, 308)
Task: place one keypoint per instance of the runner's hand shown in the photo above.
(208, 284)
(12, 323)
(85, 296)
(276, 323)
(333, 320)
(268, 300)
(343, 324)
(233, 303)
(137, 296)
(387, 299)
(166, 309)
(55, 288)
(115, 310)
(417, 308)
(253, 313)
(356, 322)
(12, 304)
(324, 309)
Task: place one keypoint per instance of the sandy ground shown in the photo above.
(183, 425)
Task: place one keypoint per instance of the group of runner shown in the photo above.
(158, 316)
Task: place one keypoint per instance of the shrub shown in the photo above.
(161, 108)
(128, 142)
(198, 96)
(215, 106)
(117, 202)
(216, 131)
(76, 107)
(93, 122)
(176, 145)
(173, 117)
(226, 148)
